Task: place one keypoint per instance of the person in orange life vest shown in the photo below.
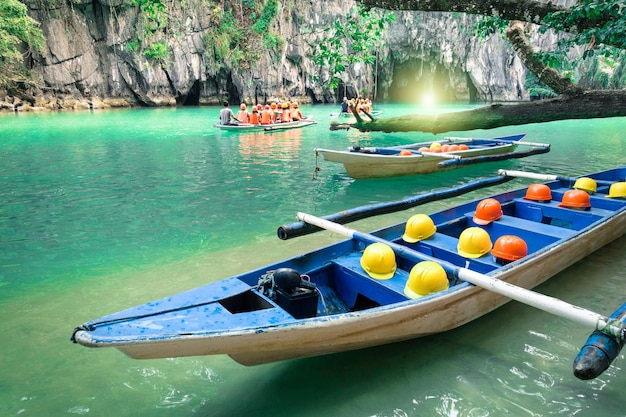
(266, 116)
(243, 115)
(296, 114)
(274, 111)
(285, 116)
(254, 117)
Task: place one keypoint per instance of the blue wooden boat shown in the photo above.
(423, 157)
(334, 299)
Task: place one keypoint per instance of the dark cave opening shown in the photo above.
(192, 98)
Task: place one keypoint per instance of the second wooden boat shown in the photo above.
(423, 158)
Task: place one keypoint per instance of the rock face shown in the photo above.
(91, 60)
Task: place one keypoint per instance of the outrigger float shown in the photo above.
(427, 157)
(430, 274)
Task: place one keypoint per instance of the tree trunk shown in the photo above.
(525, 10)
(587, 105)
(562, 85)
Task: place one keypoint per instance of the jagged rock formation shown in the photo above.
(89, 61)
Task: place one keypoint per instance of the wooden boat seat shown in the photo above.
(551, 214)
(443, 246)
(351, 280)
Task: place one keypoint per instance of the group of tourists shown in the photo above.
(363, 104)
(262, 115)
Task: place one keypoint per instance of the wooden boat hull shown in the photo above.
(247, 127)
(260, 332)
(387, 162)
(349, 115)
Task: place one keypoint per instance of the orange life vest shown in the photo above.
(266, 117)
(285, 116)
(254, 118)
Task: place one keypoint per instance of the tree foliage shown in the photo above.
(599, 26)
(350, 41)
(18, 35)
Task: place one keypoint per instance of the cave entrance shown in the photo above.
(192, 98)
(418, 81)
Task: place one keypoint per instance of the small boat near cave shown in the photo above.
(338, 298)
(427, 157)
(350, 115)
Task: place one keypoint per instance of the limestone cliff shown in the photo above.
(91, 58)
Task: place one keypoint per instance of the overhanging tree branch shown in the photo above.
(516, 36)
(587, 105)
(524, 10)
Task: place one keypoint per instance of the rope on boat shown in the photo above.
(317, 168)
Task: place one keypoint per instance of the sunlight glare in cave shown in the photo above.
(429, 99)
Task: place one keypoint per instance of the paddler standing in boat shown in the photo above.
(345, 105)
(226, 115)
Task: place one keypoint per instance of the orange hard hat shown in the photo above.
(242, 106)
(424, 149)
(273, 105)
(463, 147)
(509, 248)
(575, 199)
(453, 148)
(405, 152)
(445, 148)
(538, 192)
(487, 211)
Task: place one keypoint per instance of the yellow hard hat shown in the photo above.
(435, 145)
(474, 242)
(617, 190)
(426, 278)
(418, 227)
(586, 184)
(379, 261)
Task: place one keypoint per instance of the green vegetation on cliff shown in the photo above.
(19, 35)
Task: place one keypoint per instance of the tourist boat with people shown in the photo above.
(249, 127)
(427, 157)
(429, 274)
(349, 114)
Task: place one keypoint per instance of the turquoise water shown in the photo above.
(103, 210)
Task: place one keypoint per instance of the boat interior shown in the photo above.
(344, 286)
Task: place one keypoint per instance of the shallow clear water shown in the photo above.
(103, 210)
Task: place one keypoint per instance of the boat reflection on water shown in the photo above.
(280, 145)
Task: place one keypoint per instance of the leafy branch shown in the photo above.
(352, 41)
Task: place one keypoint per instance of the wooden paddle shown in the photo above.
(543, 302)
(544, 177)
